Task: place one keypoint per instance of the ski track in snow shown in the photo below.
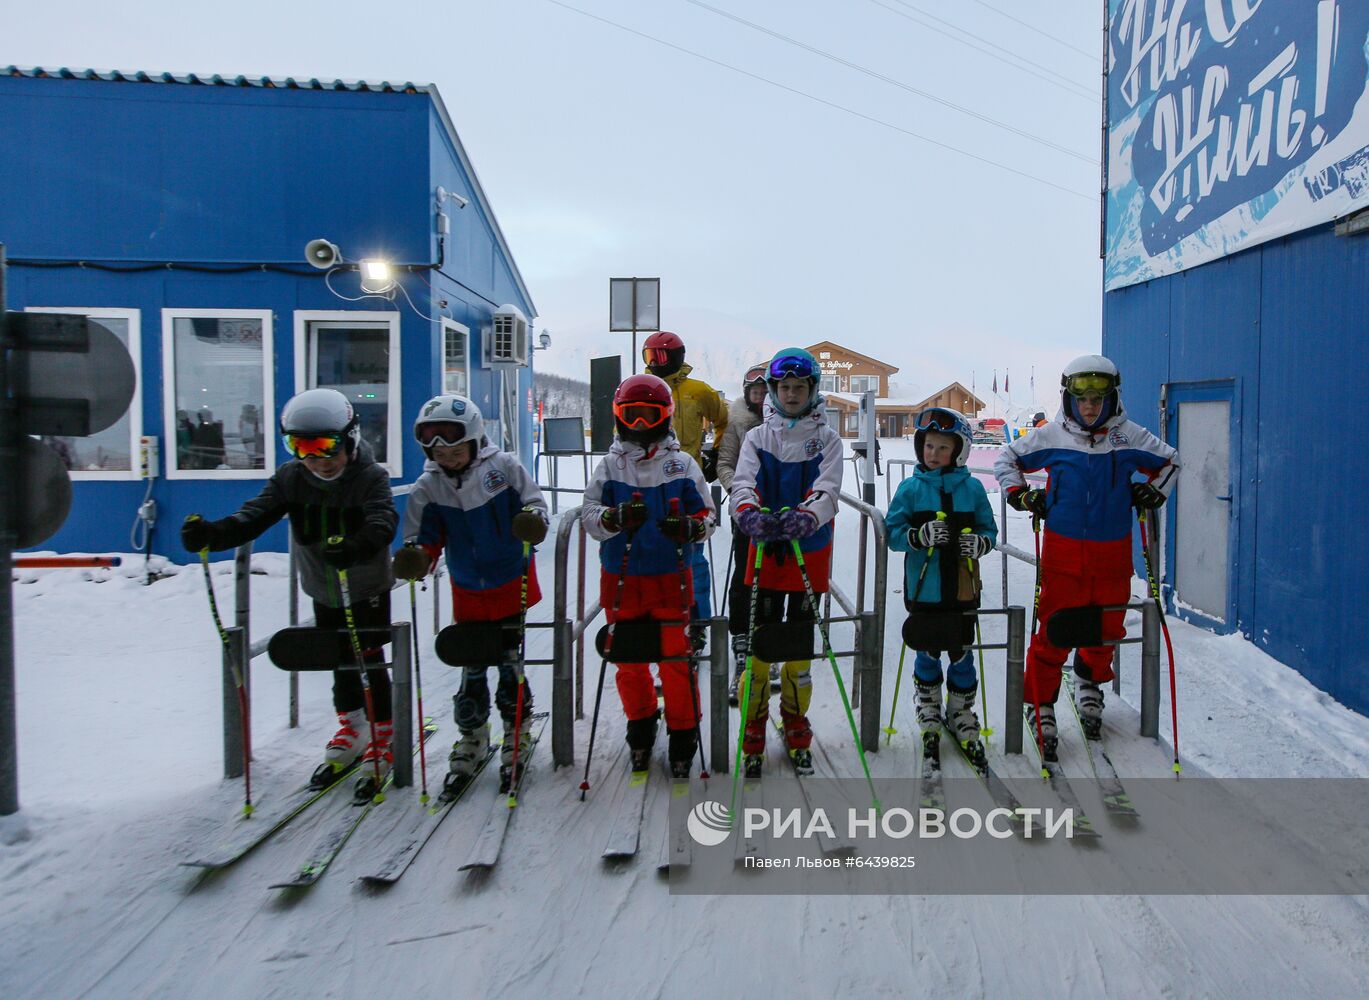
(94, 905)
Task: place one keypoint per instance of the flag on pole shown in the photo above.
(995, 380)
(1005, 380)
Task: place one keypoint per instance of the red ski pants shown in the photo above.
(638, 692)
(1045, 660)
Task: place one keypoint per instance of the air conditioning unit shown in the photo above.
(506, 339)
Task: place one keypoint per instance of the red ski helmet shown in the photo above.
(642, 408)
(663, 352)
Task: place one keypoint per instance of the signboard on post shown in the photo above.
(634, 304)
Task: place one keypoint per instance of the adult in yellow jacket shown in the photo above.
(696, 403)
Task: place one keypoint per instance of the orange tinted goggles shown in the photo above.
(313, 447)
(640, 416)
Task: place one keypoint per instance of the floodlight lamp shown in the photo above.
(377, 277)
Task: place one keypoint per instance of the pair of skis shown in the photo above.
(490, 841)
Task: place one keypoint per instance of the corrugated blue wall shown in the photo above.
(1288, 321)
(120, 172)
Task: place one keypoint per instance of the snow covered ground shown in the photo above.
(120, 752)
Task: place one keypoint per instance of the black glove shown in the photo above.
(1031, 501)
(529, 527)
(710, 464)
(627, 516)
(1146, 497)
(342, 553)
(197, 534)
(974, 546)
(932, 534)
(680, 528)
(411, 563)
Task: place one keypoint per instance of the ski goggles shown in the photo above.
(313, 445)
(656, 357)
(1090, 384)
(791, 365)
(641, 416)
(443, 432)
(754, 374)
(936, 419)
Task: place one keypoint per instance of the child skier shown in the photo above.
(786, 487)
(1090, 451)
(331, 489)
(743, 414)
(646, 502)
(941, 517)
(479, 505)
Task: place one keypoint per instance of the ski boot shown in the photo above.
(1046, 732)
(928, 704)
(641, 737)
(523, 741)
(681, 754)
(753, 746)
(931, 746)
(798, 740)
(342, 750)
(752, 765)
(739, 657)
(375, 764)
(467, 756)
(774, 677)
(1088, 698)
(961, 720)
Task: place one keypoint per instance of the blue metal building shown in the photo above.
(175, 210)
(1237, 305)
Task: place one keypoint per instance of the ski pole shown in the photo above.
(522, 654)
(1036, 603)
(693, 662)
(744, 706)
(984, 730)
(608, 649)
(832, 658)
(418, 680)
(727, 588)
(1164, 628)
(903, 649)
(243, 705)
(361, 664)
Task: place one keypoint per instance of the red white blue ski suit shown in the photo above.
(1086, 548)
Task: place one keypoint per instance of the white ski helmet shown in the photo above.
(1091, 374)
(945, 421)
(321, 413)
(448, 419)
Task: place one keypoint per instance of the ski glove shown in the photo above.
(680, 528)
(974, 546)
(528, 526)
(343, 554)
(932, 534)
(197, 534)
(710, 465)
(1031, 501)
(1146, 497)
(411, 563)
(796, 524)
(759, 525)
(627, 516)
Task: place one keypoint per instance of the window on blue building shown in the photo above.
(218, 401)
(357, 353)
(112, 453)
(456, 364)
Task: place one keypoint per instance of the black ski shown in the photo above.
(485, 853)
(410, 836)
(1115, 798)
(335, 837)
(999, 791)
(1060, 785)
(677, 849)
(931, 792)
(271, 813)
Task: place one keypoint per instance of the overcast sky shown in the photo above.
(778, 193)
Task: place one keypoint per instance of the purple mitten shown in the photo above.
(759, 525)
(796, 524)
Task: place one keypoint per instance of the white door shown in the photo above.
(1202, 507)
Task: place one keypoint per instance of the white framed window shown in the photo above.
(456, 358)
(827, 383)
(864, 383)
(217, 401)
(113, 452)
(356, 353)
(853, 422)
